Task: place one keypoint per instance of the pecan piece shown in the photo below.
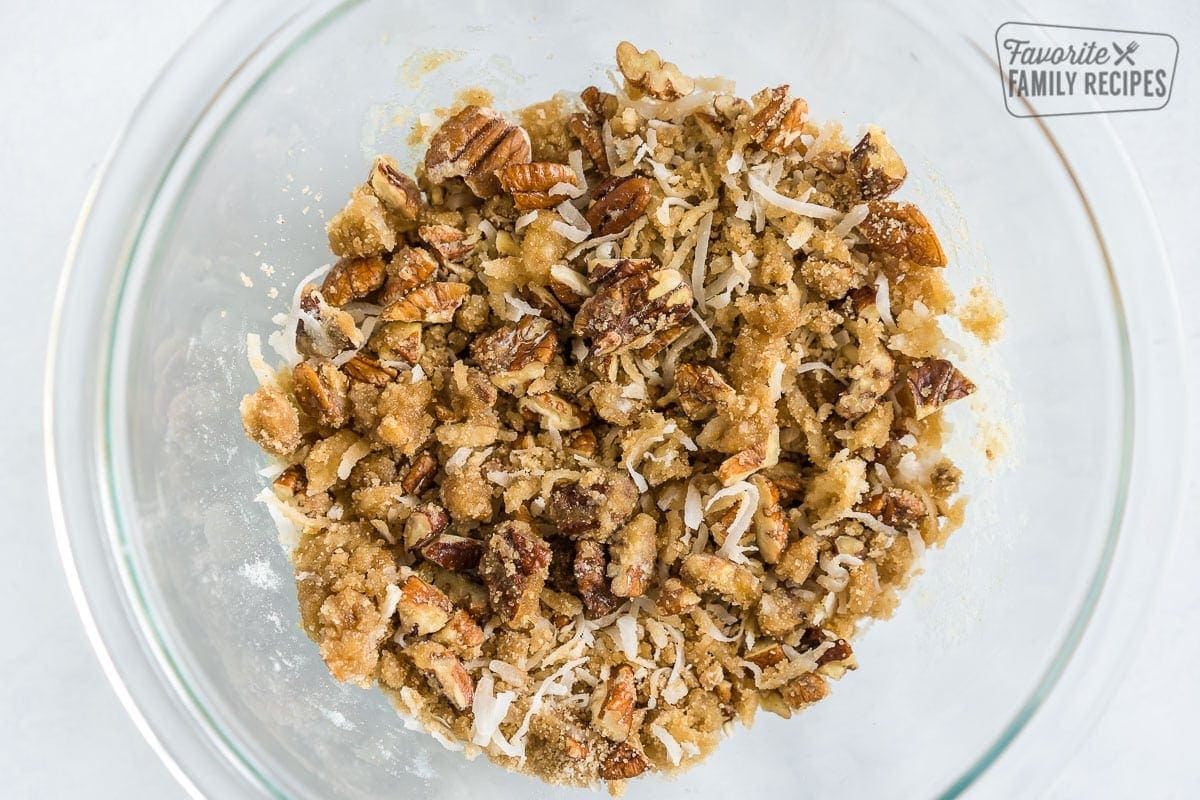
(648, 73)
(701, 390)
(622, 762)
(424, 523)
(398, 192)
(461, 634)
(555, 411)
(895, 507)
(590, 568)
(585, 130)
(601, 104)
(420, 474)
(798, 559)
(931, 384)
(633, 553)
(361, 228)
(292, 481)
(408, 269)
(840, 651)
(446, 672)
(633, 302)
(766, 653)
(513, 355)
(433, 303)
(878, 166)
(530, 184)
(703, 572)
(675, 598)
(335, 330)
(594, 507)
(399, 341)
(352, 279)
(569, 287)
(456, 553)
(271, 421)
(778, 120)
(321, 391)
(770, 527)
(616, 203)
(900, 229)
(363, 368)
(447, 241)
(613, 716)
(472, 145)
(514, 567)
(804, 690)
(423, 608)
(744, 463)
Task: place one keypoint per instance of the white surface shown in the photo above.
(71, 72)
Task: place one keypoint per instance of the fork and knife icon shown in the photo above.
(1126, 54)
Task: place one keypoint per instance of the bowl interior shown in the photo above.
(939, 686)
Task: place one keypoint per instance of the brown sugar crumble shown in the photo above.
(613, 421)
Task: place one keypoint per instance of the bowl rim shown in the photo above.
(1157, 337)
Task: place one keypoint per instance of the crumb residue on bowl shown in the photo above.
(982, 315)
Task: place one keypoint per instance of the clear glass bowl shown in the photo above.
(257, 132)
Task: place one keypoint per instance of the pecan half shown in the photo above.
(633, 552)
(420, 474)
(434, 303)
(408, 269)
(622, 762)
(613, 717)
(778, 121)
(616, 203)
(514, 568)
(352, 279)
(472, 145)
(513, 355)
(398, 192)
(932, 384)
(590, 569)
(588, 134)
(701, 390)
(366, 369)
(447, 241)
(594, 507)
(770, 527)
(877, 165)
(704, 572)
(447, 673)
(648, 73)
(634, 301)
(530, 184)
(321, 391)
(423, 608)
(900, 229)
(895, 507)
(456, 553)
(555, 411)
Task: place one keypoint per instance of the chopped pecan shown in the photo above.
(335, 330)
(770, 527)
(634, 300)
(648, 73)
(931, 384)
(585, 130)
(420, 474)
(361, 228)
(555, 411)
(613, 717)
(291, 481)
(569, 287)
(616, 203)
(778, 120)
(591, 579)
(744, 463)
(594, 507)
(798, 559)
(321, 390)
(424, 523)
(871, 377)
(900, 229)
(398, 192)
(602, 104)
(704, 572)
(513, 355)
(895, 507)
(530, 184)
(472, 145)
(398, 341)
(779, 612)
(514, 568)
(423, 608)
(633, 552)
(456, 553)
(408, 269)
(878, 166)
(363, 368)
(675, 598)
(461, 634)
(804, 690)
(840, 651)
(447, 672)
(447, 241)
(432, 302)
(701, 390)
(271, 421)
(622, 762)
(352, 279)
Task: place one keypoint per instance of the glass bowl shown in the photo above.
(255, 134)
